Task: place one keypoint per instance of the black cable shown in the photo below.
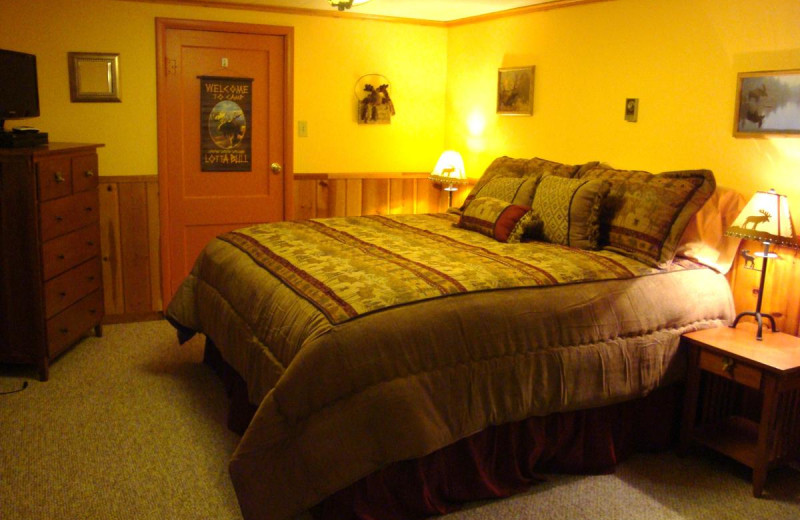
(24, 386)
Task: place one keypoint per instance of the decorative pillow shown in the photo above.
(534, 168)
(569, 210)
(498, 219)
(516, 190)
(644, 215)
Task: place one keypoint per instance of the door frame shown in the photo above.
(162, 26)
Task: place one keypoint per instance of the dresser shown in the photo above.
(51, 284)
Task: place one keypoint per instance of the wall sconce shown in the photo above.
(765, 218)
(449, 171)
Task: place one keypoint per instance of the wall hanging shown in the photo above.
(224, 113)
(93, 77)
(515, 91)
(375, 104)
(767, 103)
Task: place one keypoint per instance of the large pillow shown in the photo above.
(704, 239)
(516, 190)
(498, 219)
(570, 210)
(534, 168)
(644, 215)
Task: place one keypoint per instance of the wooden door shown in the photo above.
(197, 205)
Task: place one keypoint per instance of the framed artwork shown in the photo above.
(93, 77)
(515, 91)
(767, 103)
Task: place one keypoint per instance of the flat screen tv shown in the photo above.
(19, 88)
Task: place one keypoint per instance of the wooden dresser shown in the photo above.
(51, 284)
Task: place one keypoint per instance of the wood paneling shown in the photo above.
(338, 195)
(129, 227)
(780, 286)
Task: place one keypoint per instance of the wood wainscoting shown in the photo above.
(351, 195)
(129, 229)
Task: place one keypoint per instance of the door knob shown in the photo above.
(275, 167)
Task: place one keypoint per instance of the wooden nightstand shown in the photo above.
(723, 363)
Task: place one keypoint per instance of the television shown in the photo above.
(19, 88)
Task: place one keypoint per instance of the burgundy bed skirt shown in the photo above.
(497, 462)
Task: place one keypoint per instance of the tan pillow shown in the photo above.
(644, 215)
(569, 210)
(516, 190)
(498, 219)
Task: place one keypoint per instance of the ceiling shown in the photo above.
(431, 10)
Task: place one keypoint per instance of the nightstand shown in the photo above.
(727, 368)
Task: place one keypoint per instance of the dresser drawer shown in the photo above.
(730, 368)
(65, 289)
(84, 172)
(60, 216)
(67, 327)
(54, 178)
(65, 252)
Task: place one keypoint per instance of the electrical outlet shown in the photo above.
(302, 129)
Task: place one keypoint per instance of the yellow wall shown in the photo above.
(330, 54)
(679, 57)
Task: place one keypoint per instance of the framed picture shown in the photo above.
(767, 103)
(93, 77)
(515, 91)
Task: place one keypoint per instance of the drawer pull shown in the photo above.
(63, 330)
(59, 177)
(59, 218)
(92, 311)
(91, 278)
(89, 173)
(61, 256)
(63, 294)
(728, 364)
(90, 243)
(89, 208)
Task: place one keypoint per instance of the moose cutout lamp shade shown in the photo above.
(766, 217)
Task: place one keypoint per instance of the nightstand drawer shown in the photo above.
(54, 178)
(67, 251)
(60, 216)
(67, 327)
(730, 368)
(64, 290)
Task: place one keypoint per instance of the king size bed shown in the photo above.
(372, 347)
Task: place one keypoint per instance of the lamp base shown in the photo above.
(759, 319)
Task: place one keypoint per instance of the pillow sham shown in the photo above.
(499, 219)
(515, 190)
(570, 209)
(644, 215)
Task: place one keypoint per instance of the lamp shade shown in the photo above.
(766, 218)
(449, 170)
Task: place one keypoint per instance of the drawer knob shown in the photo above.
(89, 173)
(91, 278)
(61, 256)
(59, 177)
(63, 330)
(63, 294)
(90, 242)
(59, 218)
(92, 311)
(728, 364)
(89, 208)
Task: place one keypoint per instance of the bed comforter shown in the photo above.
(368, 340)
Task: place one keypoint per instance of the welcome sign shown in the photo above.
(225, 105)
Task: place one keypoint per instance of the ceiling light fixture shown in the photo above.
(346, 4)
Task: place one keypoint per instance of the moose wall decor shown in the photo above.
(375, 105)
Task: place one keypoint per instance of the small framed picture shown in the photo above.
(515, 91)
(631, 110)
(767, 103)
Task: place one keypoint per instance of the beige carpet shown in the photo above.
(132, 426)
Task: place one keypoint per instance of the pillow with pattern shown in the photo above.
(515, 190)
(644, 215)
(499, 219)
(570, 210)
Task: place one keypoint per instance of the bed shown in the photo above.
(364, 343)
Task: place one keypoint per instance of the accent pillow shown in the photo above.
(498, 219)
(644, 215)
(515, 190)
(570, 210)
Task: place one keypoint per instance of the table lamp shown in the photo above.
(766, 217)
(449, 171)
